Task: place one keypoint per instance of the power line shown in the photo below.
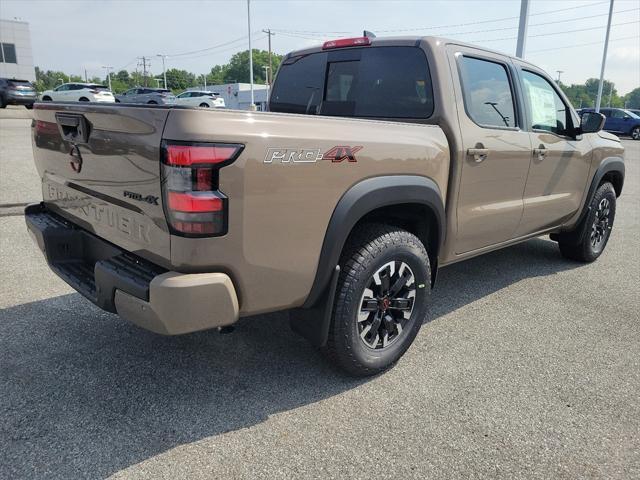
(540, 24)
(206, 54)
(552, 33)
(495, 20)
(214, 47)
(583, 44)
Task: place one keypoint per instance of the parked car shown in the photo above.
(382, 161)
(17, 92)
(78, 92)
(152, 96)
(620, 121)
(200, 98)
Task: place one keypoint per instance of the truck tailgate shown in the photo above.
(100, 169)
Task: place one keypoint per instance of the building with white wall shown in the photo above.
(237, 96)
(16, 57)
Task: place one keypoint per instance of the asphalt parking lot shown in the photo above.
(528, 367)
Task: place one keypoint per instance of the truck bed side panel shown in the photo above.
(280, 204)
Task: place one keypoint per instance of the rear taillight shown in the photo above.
(194, 205)
(346, 42)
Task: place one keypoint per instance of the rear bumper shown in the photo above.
(162, 301)
(16, 99)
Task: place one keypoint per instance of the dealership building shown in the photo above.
(237, 96)
(16, 57)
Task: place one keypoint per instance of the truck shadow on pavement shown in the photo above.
(85, 394)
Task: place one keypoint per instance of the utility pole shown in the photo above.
(86, 79)
(108, 69)
(560, 72)
(164, 69)
(253, 103)
(610, 92)
(522, 28)
(267, 70)
(604, 58)
(145, 65)
(268, 32)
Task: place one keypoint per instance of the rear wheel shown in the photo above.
(83, 99)
(588, 242)
(204, 105)
(380, 301)
(635, 133)
(46, 98)
(152, 102)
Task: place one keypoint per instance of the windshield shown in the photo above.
(380, 82)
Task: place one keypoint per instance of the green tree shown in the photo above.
(632, 98)
(180, 79)
(237, 70)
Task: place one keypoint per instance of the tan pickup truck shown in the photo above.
(381, 161)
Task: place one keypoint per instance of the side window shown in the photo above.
(548, 111)
(487, 93)
(9, 53)
(617, 114)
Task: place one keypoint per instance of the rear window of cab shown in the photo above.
(369, 82)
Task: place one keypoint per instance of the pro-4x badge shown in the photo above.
(152, 199)
(335, 154)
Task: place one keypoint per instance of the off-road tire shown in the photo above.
(370, 248)
(583, 245)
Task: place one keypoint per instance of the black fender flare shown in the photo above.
(608, 165)
(313, 318)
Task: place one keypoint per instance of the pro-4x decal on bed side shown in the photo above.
(312, 155)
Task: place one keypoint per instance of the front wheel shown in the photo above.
(204, 105)
(83, 99)
(381, 299)
(590, 240)
(635, 133)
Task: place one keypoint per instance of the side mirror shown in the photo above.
(592, 122)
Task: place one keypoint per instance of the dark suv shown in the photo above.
(620, 121)
(17, 92)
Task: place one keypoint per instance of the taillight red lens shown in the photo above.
(346, 42)
(194, 205)
(187, 155)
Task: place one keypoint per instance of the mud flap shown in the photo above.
(313, 323)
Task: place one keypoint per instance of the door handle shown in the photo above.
(478, 154)
(541, 152)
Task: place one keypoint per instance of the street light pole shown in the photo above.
(604, 58)
(108, 69)
(164, 69)
(253, 103)
(522, 28)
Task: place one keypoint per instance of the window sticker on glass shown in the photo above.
(543, 106)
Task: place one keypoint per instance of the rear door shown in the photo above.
(498, 150)
(100, 168)
(560, 161)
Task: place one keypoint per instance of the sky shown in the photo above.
(75, 35)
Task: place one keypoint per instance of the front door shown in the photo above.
(497, 151)
(561, 162)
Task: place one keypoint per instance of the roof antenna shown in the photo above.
(368, 34)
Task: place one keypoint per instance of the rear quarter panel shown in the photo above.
(279, 211)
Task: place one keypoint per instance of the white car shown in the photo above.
(78, 92)
(200, 98)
